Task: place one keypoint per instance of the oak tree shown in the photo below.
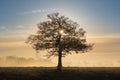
(60, 36)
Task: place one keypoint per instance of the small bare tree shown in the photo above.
(60, 36)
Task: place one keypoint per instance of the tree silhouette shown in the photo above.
(60, 36)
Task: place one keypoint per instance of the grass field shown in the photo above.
(50, 73)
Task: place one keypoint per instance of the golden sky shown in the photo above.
(105, 53)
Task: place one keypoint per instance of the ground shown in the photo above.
(50, 73)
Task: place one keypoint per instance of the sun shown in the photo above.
(61, 32)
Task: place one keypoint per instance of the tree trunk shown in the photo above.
(59, 66)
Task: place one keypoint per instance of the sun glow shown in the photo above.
(61, 32)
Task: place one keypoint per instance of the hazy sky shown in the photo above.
(100, 18)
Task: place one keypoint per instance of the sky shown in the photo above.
(100, 18)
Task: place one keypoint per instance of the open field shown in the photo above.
(45, 73)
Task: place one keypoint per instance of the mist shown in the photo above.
(13, 61)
